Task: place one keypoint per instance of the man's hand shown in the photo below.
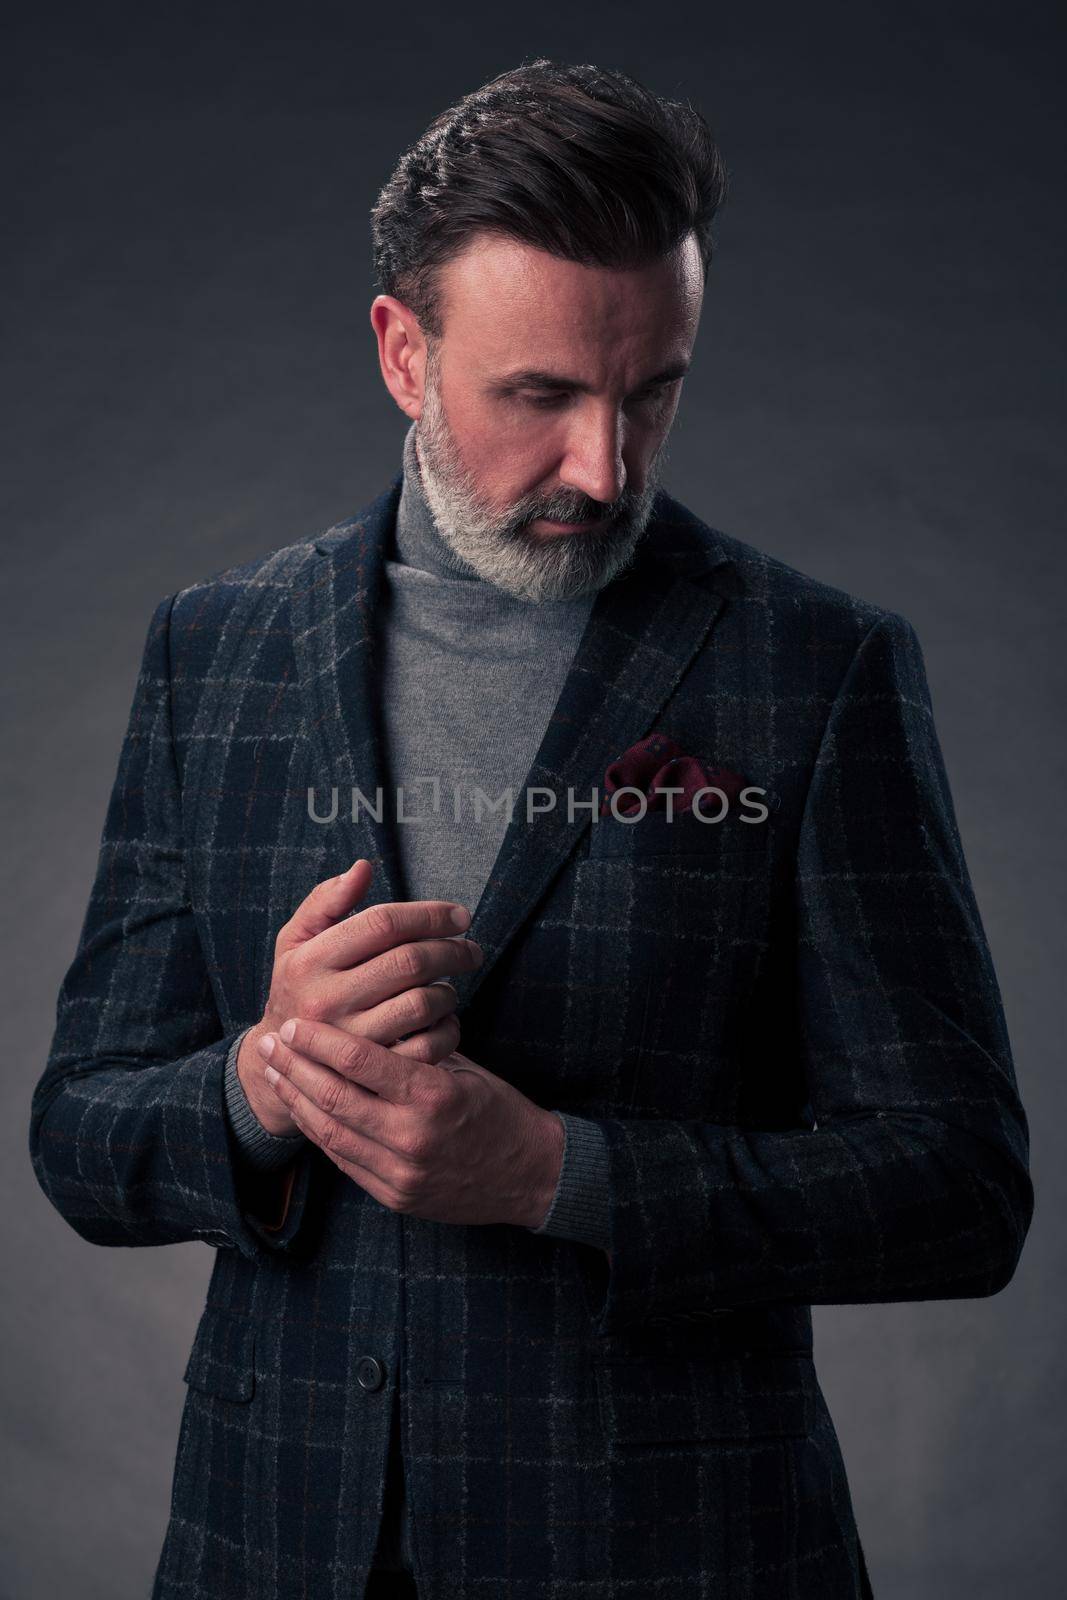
(449, 1142)
(375, 975)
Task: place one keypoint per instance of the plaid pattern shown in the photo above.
(790, 1035)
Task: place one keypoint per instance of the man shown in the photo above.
(532, 1318)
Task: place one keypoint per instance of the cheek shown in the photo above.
(655, 425)
(511, 452)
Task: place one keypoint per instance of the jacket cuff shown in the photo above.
(267, 1152)
(580, 1208)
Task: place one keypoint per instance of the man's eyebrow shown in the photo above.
(536, 378)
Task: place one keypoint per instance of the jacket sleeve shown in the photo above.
(914, 1182)
(130, 1137)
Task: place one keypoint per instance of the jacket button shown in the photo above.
(370, 1372)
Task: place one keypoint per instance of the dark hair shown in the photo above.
(578, 160)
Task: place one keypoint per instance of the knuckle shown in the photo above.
(420, 1007)
(437, 1094)
(331, 1135)
(297, 962)
(408, 961)
(405, 1185)
(435, 1044)
(352, 1054)
(414, 1146)
(332, 1097)
(380, 921)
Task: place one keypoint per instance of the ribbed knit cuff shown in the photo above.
(580, 1208)
(267, 1151)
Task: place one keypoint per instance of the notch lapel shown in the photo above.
(334, 613)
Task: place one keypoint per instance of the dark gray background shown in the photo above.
(877, 399)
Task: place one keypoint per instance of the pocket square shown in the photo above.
(657, 763)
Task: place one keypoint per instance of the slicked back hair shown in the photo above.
(577, 160)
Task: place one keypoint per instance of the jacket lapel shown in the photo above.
(643, 631)
(334, 640)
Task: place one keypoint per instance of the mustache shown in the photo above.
(560, 508)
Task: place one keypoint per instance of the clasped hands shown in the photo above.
(357, 1051)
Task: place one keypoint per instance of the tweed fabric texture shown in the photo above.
(790, 1035)
(469, 677)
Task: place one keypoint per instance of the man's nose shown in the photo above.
(593, 463)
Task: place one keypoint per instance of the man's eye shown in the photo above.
(551, 402)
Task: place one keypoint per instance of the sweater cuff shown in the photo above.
(580, 1208)
(268, 1152)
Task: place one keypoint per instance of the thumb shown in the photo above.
(327, 903)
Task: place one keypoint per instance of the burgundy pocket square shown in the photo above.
(657, 763)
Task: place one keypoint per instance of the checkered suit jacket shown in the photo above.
(790, 1033)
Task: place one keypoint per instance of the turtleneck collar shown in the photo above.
(418, 539)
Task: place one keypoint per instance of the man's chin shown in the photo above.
(566, 580)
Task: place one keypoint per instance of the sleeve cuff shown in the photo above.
(268, 1152)
(580, 1206)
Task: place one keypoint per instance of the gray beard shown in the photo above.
(501, 548)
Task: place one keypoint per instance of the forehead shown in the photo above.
(505, 300)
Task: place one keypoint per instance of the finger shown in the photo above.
(409, 1012)
(361, 1157)
(298, 1078)
(392, 1195)
(409, 966)
(328, 903)
(392, 977)
(362, 1061)
(383, 927)
(432, 1044)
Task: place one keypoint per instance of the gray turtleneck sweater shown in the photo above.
(444, 632)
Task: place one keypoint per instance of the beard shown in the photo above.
(500, 546)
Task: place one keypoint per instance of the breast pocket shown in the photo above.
(685, 834)
(650, 1399)
(669, 925)
(222, 1360)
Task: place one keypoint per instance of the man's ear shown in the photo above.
(401, 352)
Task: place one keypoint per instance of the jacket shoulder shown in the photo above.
(797, 600)
(275, 570)
(268, 578)
(240, 619)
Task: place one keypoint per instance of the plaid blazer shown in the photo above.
(790, 1034)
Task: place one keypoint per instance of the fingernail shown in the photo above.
(271, 1075)
(287, 1030)
(266, 1045)
(461, 917)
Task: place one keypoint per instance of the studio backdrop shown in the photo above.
(876, 399)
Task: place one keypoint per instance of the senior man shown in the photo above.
(532, 1318)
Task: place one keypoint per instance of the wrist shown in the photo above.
(546, 1168)
(266, 1107)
